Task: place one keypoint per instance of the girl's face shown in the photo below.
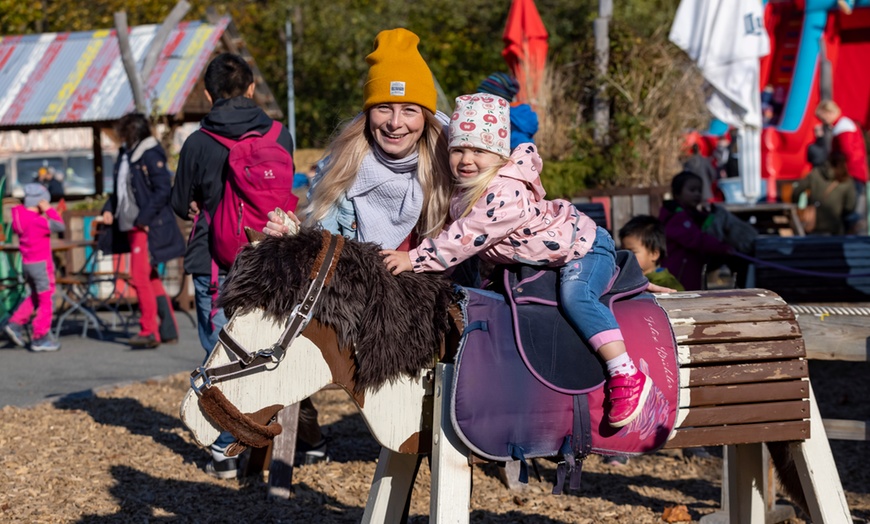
(690, 196)
(648, 260)
(468, 162)
(397, 127)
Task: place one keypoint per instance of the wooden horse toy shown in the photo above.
(312, 310)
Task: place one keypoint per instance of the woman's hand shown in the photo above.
(108, 218)
(192, 210)
(397, 261)
(281, 223)
(655, 288)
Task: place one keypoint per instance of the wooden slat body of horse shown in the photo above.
(743, 371)
(743, 381)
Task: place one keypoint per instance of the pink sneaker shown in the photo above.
(627, 397)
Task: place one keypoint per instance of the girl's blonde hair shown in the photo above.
(476, 186)
(354, 141)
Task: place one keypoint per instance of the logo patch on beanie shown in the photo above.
(397, 88)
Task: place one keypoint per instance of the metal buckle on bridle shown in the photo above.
(297, 311)
(199, 373)
(271, 352)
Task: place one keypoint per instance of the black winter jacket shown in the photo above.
(151, 183)
(202, 169)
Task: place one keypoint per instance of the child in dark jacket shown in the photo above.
(34, 222)
(689, 248)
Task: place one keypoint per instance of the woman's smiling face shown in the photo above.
(397, 127)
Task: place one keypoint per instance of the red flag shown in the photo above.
(525, 51)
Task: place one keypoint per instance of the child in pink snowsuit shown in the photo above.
(34, 222)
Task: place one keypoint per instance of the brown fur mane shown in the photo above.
(395, 324)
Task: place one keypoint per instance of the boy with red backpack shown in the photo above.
(231, 172)
(204, 171)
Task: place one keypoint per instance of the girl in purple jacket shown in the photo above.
(499, 213)
(689, 247)
(33, 223)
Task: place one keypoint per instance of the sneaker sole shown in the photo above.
(316, 458)
(13, 336)
(647, 386)
(225, 475)
(43, 349)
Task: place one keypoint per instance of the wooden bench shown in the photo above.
(843, 255)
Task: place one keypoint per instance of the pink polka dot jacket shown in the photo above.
(512, 223)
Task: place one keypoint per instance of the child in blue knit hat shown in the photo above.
(524, 120)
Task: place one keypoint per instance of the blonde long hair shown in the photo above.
(475, 186)
(354, 141)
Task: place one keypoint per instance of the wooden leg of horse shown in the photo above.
(283, 453)
(450, 493)
(391, 487)
(774, 513)
(509, 474)
(819, 478)
(745, 484)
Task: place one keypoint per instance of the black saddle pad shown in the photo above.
(543, 332)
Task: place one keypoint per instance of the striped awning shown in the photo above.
(68, 78)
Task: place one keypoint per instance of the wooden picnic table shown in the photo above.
(770, 218)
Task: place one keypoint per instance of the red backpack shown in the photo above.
(259, 179)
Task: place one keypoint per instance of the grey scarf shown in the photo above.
(387, 198)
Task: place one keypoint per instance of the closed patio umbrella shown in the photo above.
(525, 51)
(726, 39)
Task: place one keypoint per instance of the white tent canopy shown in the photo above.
(726, 39)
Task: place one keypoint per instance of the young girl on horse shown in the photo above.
(499, 213)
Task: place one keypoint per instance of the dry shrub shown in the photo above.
(656, 85)
(656, 95)
(304, 158)
(559, 115)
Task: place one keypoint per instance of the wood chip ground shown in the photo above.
(123, 455)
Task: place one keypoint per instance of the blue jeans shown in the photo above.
(208, 327)
(583, 281)
(208, 332)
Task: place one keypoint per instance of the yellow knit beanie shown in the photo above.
(397, 72)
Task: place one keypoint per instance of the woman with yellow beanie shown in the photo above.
(385, 177)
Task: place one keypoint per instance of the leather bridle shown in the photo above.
(255, 429)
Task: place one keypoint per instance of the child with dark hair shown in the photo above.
(644, 236)
(34, 222)
(689, 248)
(199, 186)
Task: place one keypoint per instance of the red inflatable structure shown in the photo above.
(803, 33)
